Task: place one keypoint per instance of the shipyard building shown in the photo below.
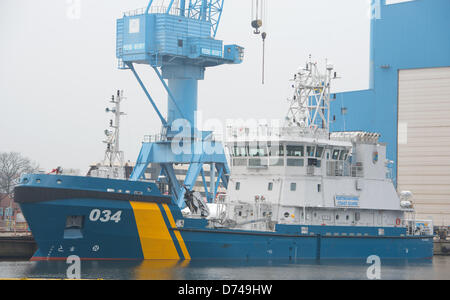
(408, 101)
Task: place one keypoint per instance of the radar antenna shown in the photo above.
(310, 103)
(113, 156)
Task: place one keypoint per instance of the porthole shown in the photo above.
(293, 187)
(286, 215)
(59, 181)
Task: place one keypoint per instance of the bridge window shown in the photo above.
(270, 186)
(319, 151)
(292, 162)
(258, 151)
(276, 150)
(238, 186)
(240, 151)
(311, 151)
(295, 151)
(335, 155)
(343, 155)
(314, 162)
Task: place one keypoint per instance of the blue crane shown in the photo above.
(178, 42)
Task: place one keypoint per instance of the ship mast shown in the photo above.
(310, 104)
(113, 156)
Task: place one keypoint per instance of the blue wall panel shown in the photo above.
(406, 35)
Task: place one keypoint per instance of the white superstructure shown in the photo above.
(303, 174)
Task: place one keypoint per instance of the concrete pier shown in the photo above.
(16, 246)
(442, 247)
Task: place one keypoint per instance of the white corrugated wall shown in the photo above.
(424, 141)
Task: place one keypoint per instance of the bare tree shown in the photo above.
(12, 166)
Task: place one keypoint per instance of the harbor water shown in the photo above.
(437, 268)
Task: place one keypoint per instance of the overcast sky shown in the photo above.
(57, 72)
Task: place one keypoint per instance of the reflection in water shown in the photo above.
(438, 268)
(159, 269)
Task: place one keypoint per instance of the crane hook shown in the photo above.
(264, 36)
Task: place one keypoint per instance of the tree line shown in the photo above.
(12, 166)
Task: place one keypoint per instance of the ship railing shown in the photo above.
(344, 169)
(154, 138)
(261, 132)
(160, 9)
(419, 227)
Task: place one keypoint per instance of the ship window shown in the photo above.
(293, 186)
(257, 151)
(149, 189)
(319, 188)
(335, 155)
(319, 152)
(276, 150)
(270, 186)
(276, 161)
(337, 217)
(292, 162)
(180, 43)
(138, 193)
(59, 181)
(314, 162)
(295, 151)
(286, 215)
(357, 216)
(311, 151)
(240, 151)
(238, 186)
(343, 155)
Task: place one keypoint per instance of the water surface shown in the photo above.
(437, 268)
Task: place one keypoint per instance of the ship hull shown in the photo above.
(154, 229)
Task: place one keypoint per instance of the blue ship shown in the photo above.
(292, 192)
(78, 216)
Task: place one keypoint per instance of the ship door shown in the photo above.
(378, 218)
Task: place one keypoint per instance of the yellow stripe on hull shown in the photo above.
(155, 238)
(177, 233)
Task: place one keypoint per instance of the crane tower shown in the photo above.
(177, 40)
